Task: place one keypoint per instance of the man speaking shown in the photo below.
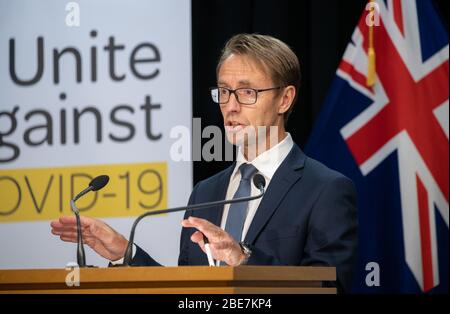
(307, 216)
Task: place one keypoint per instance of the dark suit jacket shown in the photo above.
(307, 217)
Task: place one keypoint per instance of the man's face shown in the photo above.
(241, 121)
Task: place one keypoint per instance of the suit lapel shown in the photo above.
(286, 175)
(214, 214)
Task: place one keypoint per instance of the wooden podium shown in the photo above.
(177, 280)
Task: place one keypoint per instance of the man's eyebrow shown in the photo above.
(221, 83)
(240, 83)
(244, 82)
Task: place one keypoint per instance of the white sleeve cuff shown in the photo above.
(120, 261)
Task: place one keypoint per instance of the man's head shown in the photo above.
(256, 62)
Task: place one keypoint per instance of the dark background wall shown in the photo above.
(317, 30)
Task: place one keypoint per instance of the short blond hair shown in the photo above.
(276, 57)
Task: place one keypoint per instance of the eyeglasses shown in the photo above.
(244, 96)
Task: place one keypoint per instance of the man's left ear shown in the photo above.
(287, 99)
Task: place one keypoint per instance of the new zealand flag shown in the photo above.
(391, 138)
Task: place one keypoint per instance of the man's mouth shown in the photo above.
(233, 126)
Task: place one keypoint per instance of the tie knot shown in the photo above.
(247, 171)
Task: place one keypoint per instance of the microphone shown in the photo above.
(258, 181)
(96, 184)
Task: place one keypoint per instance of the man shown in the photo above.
(308, 214)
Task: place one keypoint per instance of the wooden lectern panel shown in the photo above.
(178, 280)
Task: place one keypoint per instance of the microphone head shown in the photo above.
(259, 181)
(99, 182)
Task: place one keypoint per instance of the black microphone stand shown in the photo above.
(81, 256)
(96, 184)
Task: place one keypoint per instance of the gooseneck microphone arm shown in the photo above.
(258, 181)
(81, 256)
(95, 185)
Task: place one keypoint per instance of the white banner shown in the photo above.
(90, 88)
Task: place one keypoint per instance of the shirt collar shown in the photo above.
(269, 161)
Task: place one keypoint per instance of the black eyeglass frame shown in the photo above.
(233, 91)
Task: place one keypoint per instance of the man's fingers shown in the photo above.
(197, 237)
(70, 228)
(209, 229)
(200, 222)
(67, 220)
(68, 239)
(68, 224)
(187, 224)
(71, 220)
(74, 238)
(73, 234)
(58, 224)
(58, 231)
(223, 246)
(55, 224)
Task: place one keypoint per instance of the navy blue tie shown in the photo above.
(238, 211)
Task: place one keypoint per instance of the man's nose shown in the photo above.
(233, 105)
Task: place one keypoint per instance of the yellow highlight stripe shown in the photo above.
(45, 193)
